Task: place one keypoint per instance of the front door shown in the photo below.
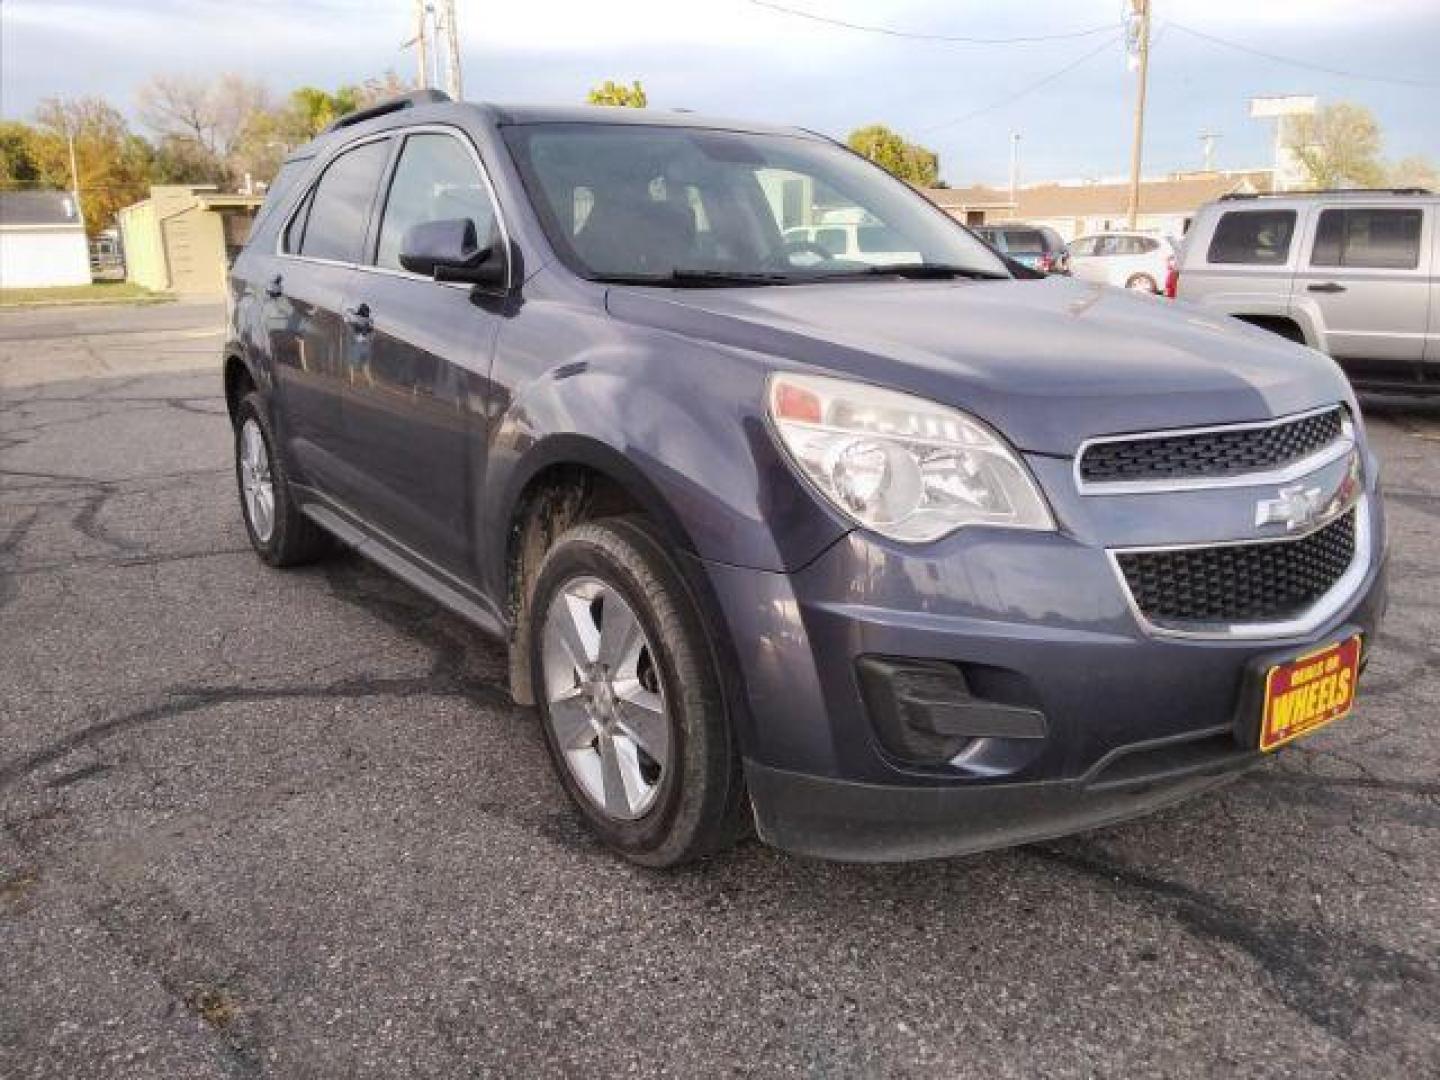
(1367, 278)
(414, 416)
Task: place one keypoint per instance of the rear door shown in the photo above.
(1432, 340)
(1089, 258)
(1245, 261)
(1366, 280)
(415, 413)
(305, 310)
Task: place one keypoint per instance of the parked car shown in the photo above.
(1355, 274)
(885, 562)
(1126, 260)
(1038, 248)
(869, 242)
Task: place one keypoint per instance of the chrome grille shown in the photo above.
(1210, 454)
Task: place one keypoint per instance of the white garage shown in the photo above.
(42, 240)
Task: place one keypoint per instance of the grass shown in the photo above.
(102, 292)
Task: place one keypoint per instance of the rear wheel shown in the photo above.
(1142, 283)
(279, 532)
(631, 701)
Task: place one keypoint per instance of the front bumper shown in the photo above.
(852, 821)
(1132, 721)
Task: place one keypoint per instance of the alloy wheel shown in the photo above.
(605, 704)
(257, 486)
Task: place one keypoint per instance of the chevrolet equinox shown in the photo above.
(882, 560)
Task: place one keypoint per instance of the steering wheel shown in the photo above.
(785, 256)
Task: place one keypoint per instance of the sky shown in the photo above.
(1069, 98)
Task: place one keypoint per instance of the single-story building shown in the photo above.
(1076, 209)
(42, 240)
(184, 236)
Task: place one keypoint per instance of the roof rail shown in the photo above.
(427, 96)
(1315, 193)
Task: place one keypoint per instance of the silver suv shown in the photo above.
(1351, 273)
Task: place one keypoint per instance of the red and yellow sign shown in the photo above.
(1309, 692)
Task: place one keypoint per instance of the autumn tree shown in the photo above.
(1338, 146)
(1416, 172)
(18, 168)
(612, 93)
(113, 164)
(909, 161)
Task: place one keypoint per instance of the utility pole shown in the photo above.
(1014, 169)
(1139, 44)
(74, 171)
(1207, 148)
(452, 37)
(422, 42)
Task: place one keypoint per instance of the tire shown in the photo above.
(669, 787)
(281, 535)
(1142, 283)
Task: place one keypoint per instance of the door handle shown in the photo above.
(358, 319)
(274, 288)
(1328, 287)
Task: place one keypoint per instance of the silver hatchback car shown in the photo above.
(1351, 273)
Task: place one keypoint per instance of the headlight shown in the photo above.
(905, 467)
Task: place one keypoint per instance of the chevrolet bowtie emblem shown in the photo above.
(1296, 507)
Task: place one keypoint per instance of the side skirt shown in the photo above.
(407, 565)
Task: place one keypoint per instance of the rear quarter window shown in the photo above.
(280, 188)
(1252, 237)
(1024, 242)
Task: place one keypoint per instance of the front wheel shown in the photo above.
(630, 697)
(1142, 283)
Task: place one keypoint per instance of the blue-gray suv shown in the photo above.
(882, 559)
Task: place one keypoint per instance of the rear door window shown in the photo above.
(339, 210)
(1253, 237)
(435, 180)
(1371, 238)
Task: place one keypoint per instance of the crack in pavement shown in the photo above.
(183, 700)
(1322, 975)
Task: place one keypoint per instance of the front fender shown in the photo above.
(681, 427)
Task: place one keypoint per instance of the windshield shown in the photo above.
(642, 203)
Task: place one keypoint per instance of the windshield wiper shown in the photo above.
(712, 279)
(920, 272)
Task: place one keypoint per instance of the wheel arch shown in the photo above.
(239, 380)
(1285, 326)
(565, 480)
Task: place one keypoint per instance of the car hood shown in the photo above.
(1048, 363)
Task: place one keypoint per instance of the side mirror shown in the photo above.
(450, 251)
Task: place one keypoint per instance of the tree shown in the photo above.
(1339, 146)
(909, 161)
(210, 114)
(1415, 172)
(18, 167)
(373, 91)
(313, 110)
(112, 162)
(612, 93)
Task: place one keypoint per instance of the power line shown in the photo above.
(1030, 89)
(1293, 62)
(956, 39)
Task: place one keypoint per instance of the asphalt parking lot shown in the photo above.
(256, 823)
